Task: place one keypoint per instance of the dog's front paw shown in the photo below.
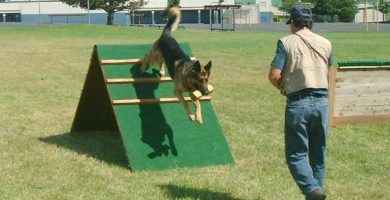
(162, 73)
(192, 117)
(199, 119)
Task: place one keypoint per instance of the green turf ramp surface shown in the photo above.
(159, 136)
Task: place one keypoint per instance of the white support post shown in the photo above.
(39, 11)
(199, 16)
(89, 16)
(153, 22)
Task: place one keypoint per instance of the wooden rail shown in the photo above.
(152, 101)
(138, 80)
(125, 61)
(141, 80)
(120, 61)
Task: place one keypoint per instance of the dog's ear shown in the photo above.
(208, 66)
(197, 67)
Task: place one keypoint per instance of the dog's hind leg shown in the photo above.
(162, 69)
(179, 95)
(145, 63)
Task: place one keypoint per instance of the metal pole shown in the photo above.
(221, 10)
(89, 16)
(234, 21)
(199, 16)
(211, 26)
(240, 19)
(383, 13)
(39, 11)
(133, 19)
(250, 15)
(366, 16)
(377, 16)
(153, 17)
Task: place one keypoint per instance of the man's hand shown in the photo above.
(275, 76)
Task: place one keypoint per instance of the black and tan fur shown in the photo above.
(187, 75)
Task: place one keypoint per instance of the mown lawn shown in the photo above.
(43, 70)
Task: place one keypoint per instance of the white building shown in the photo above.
(368, 13)
(53, 11)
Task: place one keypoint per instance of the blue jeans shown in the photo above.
(306, 130)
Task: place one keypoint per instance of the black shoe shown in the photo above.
(317, 194)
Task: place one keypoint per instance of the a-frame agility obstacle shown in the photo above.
(153, 125)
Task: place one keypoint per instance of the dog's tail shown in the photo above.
(173, 20)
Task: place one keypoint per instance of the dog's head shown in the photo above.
(200, 77)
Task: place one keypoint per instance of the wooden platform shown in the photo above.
(359, 94)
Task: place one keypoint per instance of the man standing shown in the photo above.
(300, 71)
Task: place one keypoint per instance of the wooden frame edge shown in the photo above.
(152, 101)
(360, 119)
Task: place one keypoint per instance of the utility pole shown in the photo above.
(89, 16)
(39, 11)
(366, 17)
(377, 16)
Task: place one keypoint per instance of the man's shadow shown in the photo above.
(153, 123)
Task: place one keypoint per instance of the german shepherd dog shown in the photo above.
(188, 75)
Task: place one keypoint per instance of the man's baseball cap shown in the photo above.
(299, 11)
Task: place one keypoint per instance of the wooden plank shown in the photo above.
(120, 61)
(363, 90)
(138, 80)
(359, 94)
(152, 101)
(380, 95)
(362, 100)
(374, 80)
(363, 73)
(361, 119)
(364, 67)
(94, 111)
(361, 110)
(126, 61)
(332, 93)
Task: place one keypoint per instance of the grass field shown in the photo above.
(43, 70)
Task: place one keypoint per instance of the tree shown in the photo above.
(288, 4)
(170, 4)
(324, 7)
(110, 6)
(384, 7)
(345, 9)
(347, 14)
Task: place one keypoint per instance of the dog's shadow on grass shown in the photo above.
(101, 145)
(181, 192)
